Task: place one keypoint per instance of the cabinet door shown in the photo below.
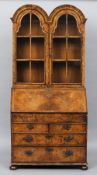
(31, 49)
(66, 51)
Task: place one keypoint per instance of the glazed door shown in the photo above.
(31, 51)
(66, 52)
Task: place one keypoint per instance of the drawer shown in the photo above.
(48, 154)
(29, 127)
(28, 117)
(49, 140)
(67, 128)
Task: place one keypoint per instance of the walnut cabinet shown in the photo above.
(48, 99)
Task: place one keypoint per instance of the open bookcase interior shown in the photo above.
(66, 51)
(30, 51)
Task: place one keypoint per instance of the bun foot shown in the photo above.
(84, 167)
(13, 167)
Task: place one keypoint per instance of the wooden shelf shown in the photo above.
(23, 36)
(29, 60)
(59, 60)
(41, 36)
(66, 36)
(29, 83)
(37, 60)
(74, 60)
(59, 37)
(30, 36)
(74, 36)
(67, 83)
(22, 60)
(62, 60)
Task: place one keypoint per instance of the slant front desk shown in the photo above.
(48, 99)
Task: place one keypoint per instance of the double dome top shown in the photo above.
(63, 9)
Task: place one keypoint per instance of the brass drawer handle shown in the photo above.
(67, 126)
(28, 139)
(68, 138)
(30, 126)
(68, 153)
(49, 149)
(29, 153)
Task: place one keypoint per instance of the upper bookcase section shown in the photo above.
(48, 50)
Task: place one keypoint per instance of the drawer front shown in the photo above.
(67, 128)
(22, 117)
(29, 127)
(48, 154)
(48, 140)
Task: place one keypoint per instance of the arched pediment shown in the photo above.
(26, 9)
(70, 10)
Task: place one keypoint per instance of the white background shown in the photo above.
(7, 9)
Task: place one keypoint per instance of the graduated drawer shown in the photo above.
(48, 154)
(49, 140)
(67, 128)
(51, 128)
(29, 127)
(28, 117)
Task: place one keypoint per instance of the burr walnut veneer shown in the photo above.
(48, 99)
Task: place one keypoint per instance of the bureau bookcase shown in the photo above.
(48, 96)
